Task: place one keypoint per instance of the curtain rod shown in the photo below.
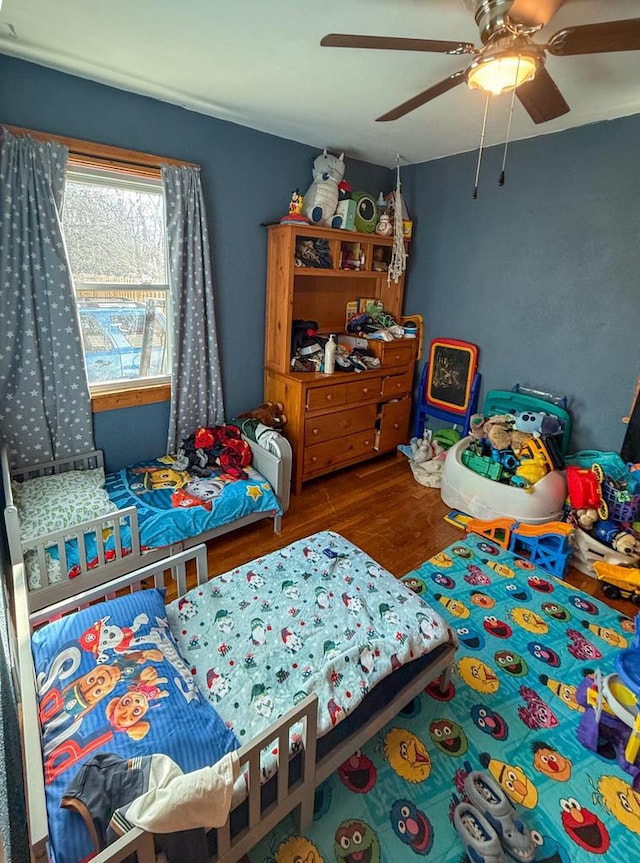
(114, 157)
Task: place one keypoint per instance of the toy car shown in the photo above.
(619, 582)
(483, 465)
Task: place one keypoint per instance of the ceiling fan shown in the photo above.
(508, 59)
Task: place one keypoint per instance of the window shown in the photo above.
(115, 233)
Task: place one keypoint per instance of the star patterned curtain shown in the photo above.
(45, 407)
(196, 391)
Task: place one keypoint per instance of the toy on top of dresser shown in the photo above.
(321, 198)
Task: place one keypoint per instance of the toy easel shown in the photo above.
(449, 385)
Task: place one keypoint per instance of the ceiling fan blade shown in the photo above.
(396, 43)
(596, 38)
(541, 98)
(533, 13)
(424, 97)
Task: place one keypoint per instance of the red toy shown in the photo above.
(585, 490)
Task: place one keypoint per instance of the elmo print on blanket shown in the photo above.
(529, 646)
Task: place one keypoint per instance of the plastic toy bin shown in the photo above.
(483, 498)
(623, 506)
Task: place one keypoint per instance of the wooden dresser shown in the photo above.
(339, 419)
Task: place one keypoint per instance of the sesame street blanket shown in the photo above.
(176, 504)
(528, 645)
(317, 616)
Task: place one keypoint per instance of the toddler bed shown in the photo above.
(372, 657)
(64, 518)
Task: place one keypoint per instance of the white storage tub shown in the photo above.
(486, 499)
(585, 551)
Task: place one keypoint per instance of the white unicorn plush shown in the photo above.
(321, 199)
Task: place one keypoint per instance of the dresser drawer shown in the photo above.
(397, 385)
(394, 424)
(334, 425)
(362, 391)
(396, 354)
(326, 397)
(323, 456)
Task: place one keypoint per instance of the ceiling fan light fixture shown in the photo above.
(501, 72)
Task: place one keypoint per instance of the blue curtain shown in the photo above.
(196, 386)
(45, 407)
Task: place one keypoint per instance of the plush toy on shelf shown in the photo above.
(320, 201)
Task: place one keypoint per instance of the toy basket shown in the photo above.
(623, 506)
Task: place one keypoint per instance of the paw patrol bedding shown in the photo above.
(175, 504)
(110, 680)
(317, 616)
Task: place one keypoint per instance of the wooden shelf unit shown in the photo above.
(334, 420)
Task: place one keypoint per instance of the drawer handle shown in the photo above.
(315, 431)
(396, 425)
(329, 397)
(365, 390)
(314, 458)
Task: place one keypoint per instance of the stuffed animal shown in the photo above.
(269, 414)
(610, 533)
(586, 518)
(499, 431)
(537, 423)
(427, 461)
(321, 199)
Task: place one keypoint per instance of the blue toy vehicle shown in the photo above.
(122, 339)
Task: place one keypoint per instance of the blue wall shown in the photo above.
(247, 178)
(542, 274)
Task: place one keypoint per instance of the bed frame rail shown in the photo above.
(83, 461)
(298, 796)
(176, 567)
(275, 465)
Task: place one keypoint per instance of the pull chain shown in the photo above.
(506, 143)
(484, 127)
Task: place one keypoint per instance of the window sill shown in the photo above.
(111, 400)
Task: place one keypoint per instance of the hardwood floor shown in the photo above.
(378, 506)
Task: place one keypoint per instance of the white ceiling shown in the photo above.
(259, 63)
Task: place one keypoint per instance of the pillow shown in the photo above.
(110, 679)
(59, 501)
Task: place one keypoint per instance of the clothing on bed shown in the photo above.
(317, 616)
(113, 794)
(110, 679)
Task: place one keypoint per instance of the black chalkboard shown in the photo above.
(452, 365)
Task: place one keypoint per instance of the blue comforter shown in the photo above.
(174, 504)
